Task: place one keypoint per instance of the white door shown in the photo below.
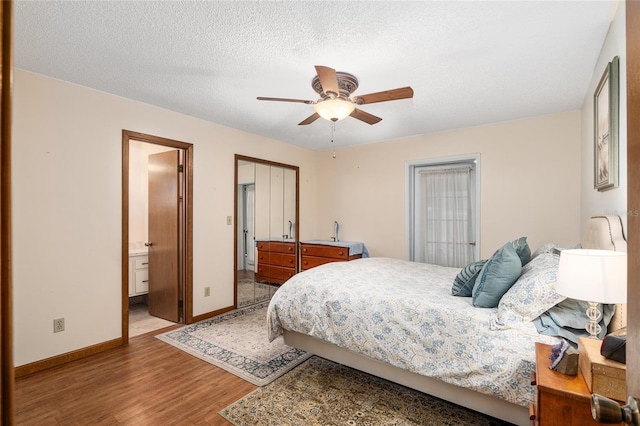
(443, 225)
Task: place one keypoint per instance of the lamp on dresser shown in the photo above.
(595, 276)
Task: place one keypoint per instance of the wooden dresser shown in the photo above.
(560, 399)
(313, 254)
(276, 261)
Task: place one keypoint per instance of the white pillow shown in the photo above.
(547, 248)
(533, 293)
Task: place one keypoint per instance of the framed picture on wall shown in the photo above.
(605, 119)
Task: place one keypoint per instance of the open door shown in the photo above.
(164, 235)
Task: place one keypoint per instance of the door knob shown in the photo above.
(605, 410)
(149, 244)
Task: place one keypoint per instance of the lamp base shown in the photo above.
(594, 315)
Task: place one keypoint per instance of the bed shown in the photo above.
(398, 320)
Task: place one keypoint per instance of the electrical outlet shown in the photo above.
(207, 291)
(229, 220)
(58, 325)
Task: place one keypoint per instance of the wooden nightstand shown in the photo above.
(560, 400)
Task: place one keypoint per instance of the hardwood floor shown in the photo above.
(144, 383)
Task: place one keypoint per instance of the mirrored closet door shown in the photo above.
(266, 237)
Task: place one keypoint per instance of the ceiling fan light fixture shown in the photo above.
(334, 109)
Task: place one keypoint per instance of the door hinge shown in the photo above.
(180, 168)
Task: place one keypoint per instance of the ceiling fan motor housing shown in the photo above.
(347, 84)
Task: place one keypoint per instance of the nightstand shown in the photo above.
(560, 399)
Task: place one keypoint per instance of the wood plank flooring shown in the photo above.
(144, 383)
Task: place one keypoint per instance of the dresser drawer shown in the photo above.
(308, 262)
(277, 259)
(276, 247)
(141, 262)
(141, 283)
(275, 272)
(325, 251)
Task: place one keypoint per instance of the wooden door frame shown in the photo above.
(632, 12)
(7, 372)
(187, 237)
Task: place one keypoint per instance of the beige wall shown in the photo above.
(613, 201)
(530, 171)
(67, 208)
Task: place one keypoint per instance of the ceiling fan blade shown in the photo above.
(328, 80)
(387, 95)
(365, 116)
(309, 119)
(302, 101)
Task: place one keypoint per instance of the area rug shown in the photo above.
(250, 292)
(237, 342)
(321, 392)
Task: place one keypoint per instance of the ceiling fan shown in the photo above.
(335, 89)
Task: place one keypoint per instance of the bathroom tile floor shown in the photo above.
(140, 322)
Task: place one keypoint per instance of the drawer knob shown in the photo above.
(341, 253)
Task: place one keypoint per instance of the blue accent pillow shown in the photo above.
(522, 249)
(463, 282)
(496, 277)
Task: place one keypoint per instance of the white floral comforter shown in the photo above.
(402, 313)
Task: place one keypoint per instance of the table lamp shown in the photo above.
(595, 276)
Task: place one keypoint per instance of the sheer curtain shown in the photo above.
(444, 228)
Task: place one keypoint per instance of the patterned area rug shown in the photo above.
(237, 342)
(321, 392)
(250, 292)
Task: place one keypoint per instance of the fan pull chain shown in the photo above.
(333, 130)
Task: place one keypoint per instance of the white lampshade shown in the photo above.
(593, 275)
(334, 109)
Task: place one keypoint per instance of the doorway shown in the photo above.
(156, 233)
(443, 210)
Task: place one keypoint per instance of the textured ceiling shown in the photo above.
(468, 63)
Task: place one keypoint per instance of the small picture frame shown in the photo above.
(605, 119)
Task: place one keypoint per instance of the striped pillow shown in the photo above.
(466, 278)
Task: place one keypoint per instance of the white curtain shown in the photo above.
(444, 228)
